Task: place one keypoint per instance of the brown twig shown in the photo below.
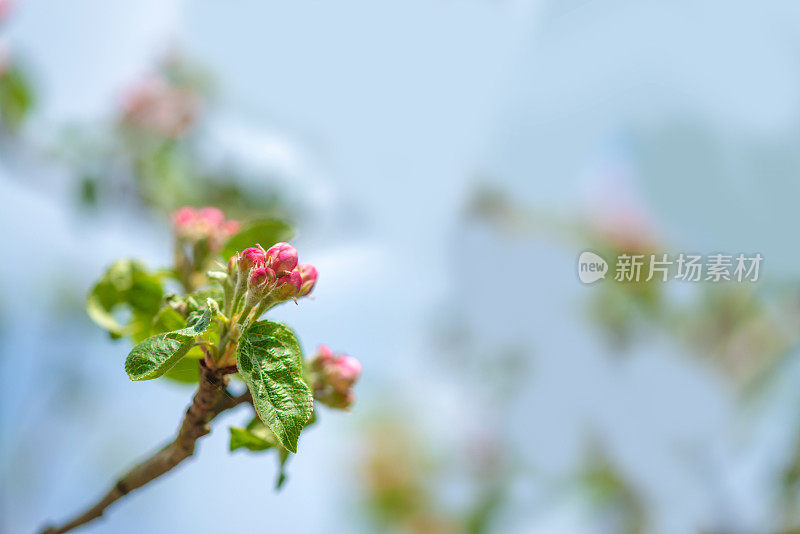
(211, 399)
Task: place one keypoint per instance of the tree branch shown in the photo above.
(230, 401)
(211, 399)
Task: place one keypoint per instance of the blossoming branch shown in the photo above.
(213, 329)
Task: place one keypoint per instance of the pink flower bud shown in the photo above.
(250, 258)
(324, 354)
(333, 377)
(309, 275)
(260, 279)
(348, 400)
(282, 257)
(288, 285)
(343, 372)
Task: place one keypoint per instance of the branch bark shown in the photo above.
(210, 399)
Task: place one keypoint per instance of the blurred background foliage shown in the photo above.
(153, 150)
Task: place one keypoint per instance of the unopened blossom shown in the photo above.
(324, 355)
(250, 258)
(308, 273)
(272, 276)
(261, 278)
(344, 372)
(288, 285)
(259, 284)
(282, 257)
(334, 376)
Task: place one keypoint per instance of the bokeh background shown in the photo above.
(444, 162)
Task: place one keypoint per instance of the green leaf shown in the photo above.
(168, 319)
(265, 232)
(157, 354)
(271, 363)
(125, 286)
(255, 437)
(186, 371)
(240, 438)
(283, 456)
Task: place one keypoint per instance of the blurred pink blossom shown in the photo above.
(5, 9)
(155, 105)
(193, 225)
(334, 376)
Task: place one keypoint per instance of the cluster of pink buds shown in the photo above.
(194, 225)
(333, 377)
(271, 276)
(157, 106)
